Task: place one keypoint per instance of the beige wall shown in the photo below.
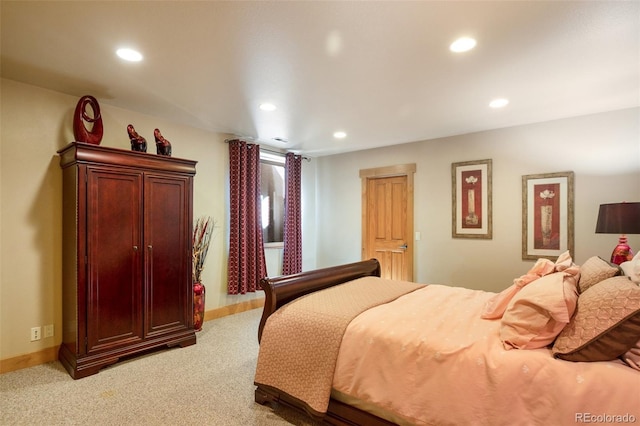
(602, 150)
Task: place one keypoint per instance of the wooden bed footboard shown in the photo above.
(338, 413)
(282, 290)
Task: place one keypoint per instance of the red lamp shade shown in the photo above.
(619, 218)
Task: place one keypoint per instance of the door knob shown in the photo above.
(404, 246)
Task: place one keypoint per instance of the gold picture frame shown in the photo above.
(471, 189)
(547, 215)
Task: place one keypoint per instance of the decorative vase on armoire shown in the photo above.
(201, 238)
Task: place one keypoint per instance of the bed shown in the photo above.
(351, 348)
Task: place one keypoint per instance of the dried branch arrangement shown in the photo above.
(202, 232)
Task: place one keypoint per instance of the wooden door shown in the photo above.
(114, 262)
(167, 230)
(388, 220)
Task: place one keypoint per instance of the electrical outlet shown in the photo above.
(35, 333)
(48, 331)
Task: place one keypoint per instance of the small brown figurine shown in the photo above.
(80, 131)
(138, 143)
(163, 146)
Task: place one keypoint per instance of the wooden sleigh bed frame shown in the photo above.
(282, 290)
(455, 352)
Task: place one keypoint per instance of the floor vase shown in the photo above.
(198, 305)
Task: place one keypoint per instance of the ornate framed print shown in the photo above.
(471, 194)
(547, 215)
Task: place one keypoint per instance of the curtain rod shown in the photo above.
(269, 150)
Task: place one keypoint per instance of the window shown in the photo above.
(272, 197)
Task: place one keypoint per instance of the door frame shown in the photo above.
(407, 170)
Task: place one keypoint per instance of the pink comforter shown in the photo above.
(428, 358)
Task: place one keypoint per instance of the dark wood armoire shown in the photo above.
(127, 229)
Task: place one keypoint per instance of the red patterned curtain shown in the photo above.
(292, 254)
(246, 251)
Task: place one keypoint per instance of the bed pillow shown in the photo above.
(606, 324)
(539, 312)
(495, 307)
(594, 270)
(631, 268)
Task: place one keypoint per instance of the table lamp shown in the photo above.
(619, 218)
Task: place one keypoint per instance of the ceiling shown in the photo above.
(380, 71)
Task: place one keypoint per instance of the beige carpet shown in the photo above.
(210, 383)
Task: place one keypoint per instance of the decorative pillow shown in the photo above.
(495, 307)
(632, 268)
(564, 263)
(606, 324)
(594, 270)
(539, 312)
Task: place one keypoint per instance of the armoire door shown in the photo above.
(114, 261)
(167, 229)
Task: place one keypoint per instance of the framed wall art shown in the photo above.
(547, 215)
(471, 196)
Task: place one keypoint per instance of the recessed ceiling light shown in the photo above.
(267, 107)
(340, 135)
(462, 44)
(498, 103)
(129, 55)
